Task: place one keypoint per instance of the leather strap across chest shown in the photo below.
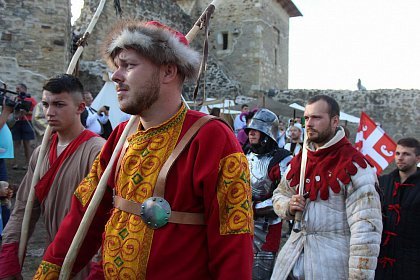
(159, 191)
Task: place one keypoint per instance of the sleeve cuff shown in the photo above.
(47, 270)
(9, 260)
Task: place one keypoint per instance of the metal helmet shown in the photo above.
(266, 122)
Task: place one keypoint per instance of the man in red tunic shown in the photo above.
(71, 152)
(209, 233)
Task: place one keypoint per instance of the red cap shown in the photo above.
(178, 34)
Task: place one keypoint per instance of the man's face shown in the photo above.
(87, 97)
(295, 134)
(254, 136)
(20, 89)
(406, 159)
(245, 109)
(320, 127)
(281, 126)
(61, 110)
(138, 82)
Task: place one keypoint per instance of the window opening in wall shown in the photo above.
(222, 40)
(275, 56)
(225, 37)
(278, 34)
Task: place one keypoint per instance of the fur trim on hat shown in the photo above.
(157, 42)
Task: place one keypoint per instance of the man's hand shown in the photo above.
(6, 109)
(296, 203)
(19, 114)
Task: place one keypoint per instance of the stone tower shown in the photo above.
(250, 39)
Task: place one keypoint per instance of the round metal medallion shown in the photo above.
(155, 212)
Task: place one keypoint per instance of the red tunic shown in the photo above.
(211, 177)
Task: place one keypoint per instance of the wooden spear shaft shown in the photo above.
(102, 185)
(35, 179)
(31, 197)
(88, 31)
(93, 206)
(297, 227)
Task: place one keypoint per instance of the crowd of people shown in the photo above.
(187, 197)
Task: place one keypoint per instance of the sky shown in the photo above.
(337, 42)
(76, 6)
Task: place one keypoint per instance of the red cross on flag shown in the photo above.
(374, 143)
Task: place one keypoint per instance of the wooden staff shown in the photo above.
(47, 135)
(31, 197)
(102, 185)
(93, 206)
(297, 227)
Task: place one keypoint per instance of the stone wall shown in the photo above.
(218, 83)
(14, 75)
(396, 110)
(166, 11)
(36, 34)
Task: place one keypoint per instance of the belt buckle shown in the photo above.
(155, 212)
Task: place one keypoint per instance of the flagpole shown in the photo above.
(102, 185)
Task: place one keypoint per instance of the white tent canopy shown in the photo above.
(223, 104)
(108, 97)
(343, 116)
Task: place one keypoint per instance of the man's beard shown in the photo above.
(323, 136)
(143, 98)
(295, 140)
(404, 168)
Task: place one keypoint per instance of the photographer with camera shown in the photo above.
(23, 131)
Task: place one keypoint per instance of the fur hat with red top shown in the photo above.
(156, 41)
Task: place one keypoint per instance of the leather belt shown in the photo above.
(176, 217)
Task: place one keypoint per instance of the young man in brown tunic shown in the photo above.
(70, 154)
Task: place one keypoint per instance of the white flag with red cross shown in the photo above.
(374, 143)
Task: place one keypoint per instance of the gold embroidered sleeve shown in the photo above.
(47, 270)
(88, 186)
(234, 195)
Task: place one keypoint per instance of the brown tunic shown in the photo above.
(57, 203)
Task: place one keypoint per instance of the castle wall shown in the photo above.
(166, 12)
(36, 34)
(395, 109)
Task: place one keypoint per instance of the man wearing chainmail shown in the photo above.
(267, 164)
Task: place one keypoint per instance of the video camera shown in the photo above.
(19, 103)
